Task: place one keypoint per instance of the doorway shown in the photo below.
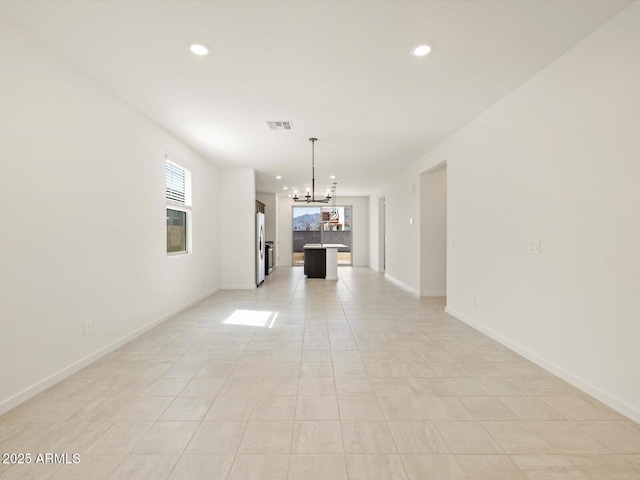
(433, 232)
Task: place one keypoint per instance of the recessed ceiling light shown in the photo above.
(421, 50)
(199, 49)
(278, 177)
(285, 188)
(332, 177)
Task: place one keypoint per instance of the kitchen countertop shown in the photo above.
(324, 245)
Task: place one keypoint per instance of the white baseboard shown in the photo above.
(402, 285)
(613, 402)
(433, 294)
(33, 390)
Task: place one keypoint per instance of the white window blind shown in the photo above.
(177, 187)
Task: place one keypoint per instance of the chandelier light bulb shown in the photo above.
(310, 189)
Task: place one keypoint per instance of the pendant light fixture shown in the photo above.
(310, 192)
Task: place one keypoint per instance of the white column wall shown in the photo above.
(237, 196)
(283, 231)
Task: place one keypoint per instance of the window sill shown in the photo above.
(178, 254)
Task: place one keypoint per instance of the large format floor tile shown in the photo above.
(353, 379)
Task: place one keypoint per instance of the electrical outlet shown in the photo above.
(88, 327)
(534, 247)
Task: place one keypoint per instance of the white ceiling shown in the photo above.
(340, 71)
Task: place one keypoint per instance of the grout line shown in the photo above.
(310, 310)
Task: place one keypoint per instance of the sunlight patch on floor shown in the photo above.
(252, 318)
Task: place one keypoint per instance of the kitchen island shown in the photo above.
(321, 260)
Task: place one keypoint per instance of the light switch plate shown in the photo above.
(534, 247)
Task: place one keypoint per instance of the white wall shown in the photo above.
(359, 237)
(360, 229)
(556, 160)
(270, 209)
(374, 234)
(83, 224)
(433, 232)
(237, 228)
(284, 234)
(402, 214)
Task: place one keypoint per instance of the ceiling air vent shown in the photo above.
(280, 125)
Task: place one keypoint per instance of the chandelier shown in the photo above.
(310, 191)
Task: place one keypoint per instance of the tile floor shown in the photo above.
(307, 379)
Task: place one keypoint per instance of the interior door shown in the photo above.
(260, 248)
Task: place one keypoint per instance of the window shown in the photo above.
(178, 197)
(322, 225)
